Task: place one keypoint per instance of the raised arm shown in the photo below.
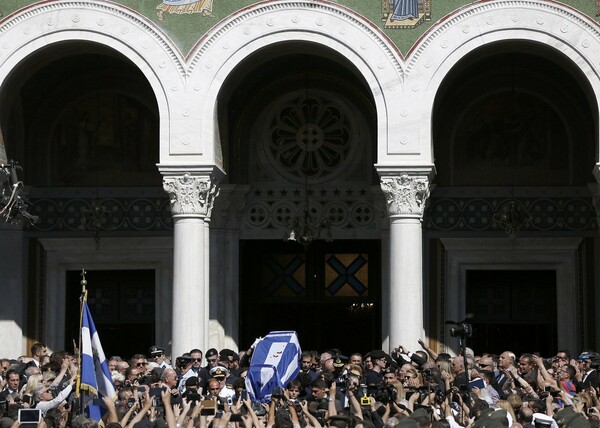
(432, 354)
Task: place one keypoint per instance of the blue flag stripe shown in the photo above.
(96, 380)
(275, 361)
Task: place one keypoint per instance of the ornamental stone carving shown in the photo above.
(405, 195)
(309, 137)
(191, 195)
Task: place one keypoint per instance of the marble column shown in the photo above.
(406, 195)
(13, 315)
(192, 198)
(595, 192)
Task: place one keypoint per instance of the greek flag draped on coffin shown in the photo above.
(275, 362)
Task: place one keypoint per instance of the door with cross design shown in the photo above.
(328, 292)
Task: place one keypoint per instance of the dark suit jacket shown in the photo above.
(593, 380)
(500, 384)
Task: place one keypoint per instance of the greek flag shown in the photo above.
(95, 377)
(275, 362)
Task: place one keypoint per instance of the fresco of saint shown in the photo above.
(405, 13)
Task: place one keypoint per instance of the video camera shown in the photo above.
(462, 329)
(385, 394)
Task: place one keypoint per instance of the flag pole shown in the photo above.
(82, 301)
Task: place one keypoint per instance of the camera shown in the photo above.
(386, 394)
(462, 330)
(297, 407)
(439, 396)
(192, 396)
(277, 392)
(363, 389)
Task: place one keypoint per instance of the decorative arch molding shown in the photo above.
(404, 90)
(572, 34)
(269, 23)
(28, 30)
(286, 16)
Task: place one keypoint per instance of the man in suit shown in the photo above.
(12, 385)
(505, 361)
(588, 376)
(38, 351)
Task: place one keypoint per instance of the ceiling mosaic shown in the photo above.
(404, 21)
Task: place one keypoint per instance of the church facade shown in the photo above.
(224, 170)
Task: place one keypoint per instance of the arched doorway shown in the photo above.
(514, 130)
(300, 129)
(83, 121)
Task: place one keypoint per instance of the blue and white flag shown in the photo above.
(96, 380)
(275, 362)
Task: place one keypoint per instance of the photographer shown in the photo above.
(588, 376)
(322, 399)
(184, 366)
(460, 374)
(132, 376)
(44, 399)
(191, 389)
(402, 356)
(374, 376)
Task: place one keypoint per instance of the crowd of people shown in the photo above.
(403, 389)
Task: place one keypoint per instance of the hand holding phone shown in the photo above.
(209, 408)
(29, 415)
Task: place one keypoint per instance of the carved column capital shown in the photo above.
(191, 195)
(405, 194)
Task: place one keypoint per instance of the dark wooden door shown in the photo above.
(329, 293)
(513, 310)
(122, 306)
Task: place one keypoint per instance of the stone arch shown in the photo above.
(572, 34)
(332, 26)
(37, 26)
